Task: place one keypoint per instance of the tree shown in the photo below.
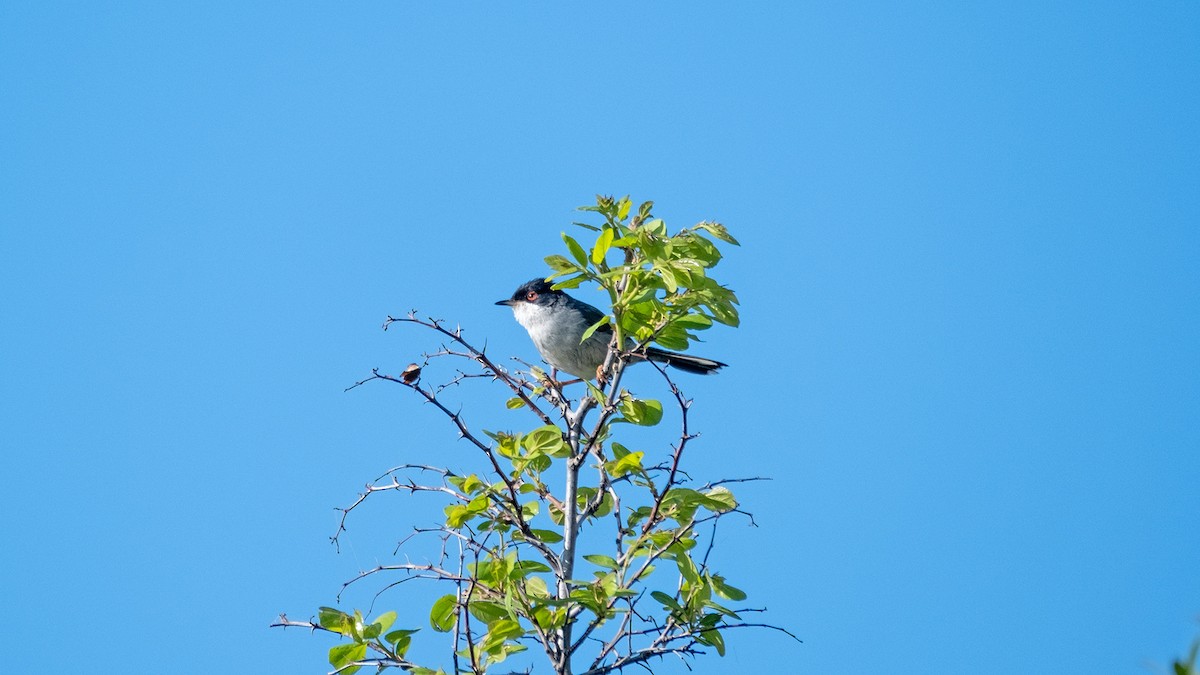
(509, 552)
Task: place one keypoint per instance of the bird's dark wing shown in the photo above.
(591, 315)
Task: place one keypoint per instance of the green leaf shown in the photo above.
(655, 227)
(457, 515)
(673, 337)
(479, 504)
(698, 248)
(601, 561)
(487, 611)
(596, 393)
(723, 611)
(506, 651)
(334, 619)
(623, 208)
(645, 209)
(525, 567)
(560, 264)
(577, 251)
(545, 440)
(668, 277)
(718, 230)
(681, 503)
(397, 634)
(380, 624)
(442, 615)
(508, 446)
(666, 600)
(637, 515)
(535, 587)
(603, 242)
(593, 328)
(629, 462)
(400, 640)
(482, 571)
(500, 631)
(693, 321)
(472, 484)
(713, 637)
(572, 282)
(499, 654)
(687, 568)
(340, 655)
(642, 412)
(514, 403)
(723, 309)
(548, 536)
(506, 628)
(587, 597)
(725, 590)
(719, 500)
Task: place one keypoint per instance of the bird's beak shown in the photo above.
(505, 302)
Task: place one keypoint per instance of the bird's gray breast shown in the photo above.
(555, 332)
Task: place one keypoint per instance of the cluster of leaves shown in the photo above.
(393, 644)
(661, 290)
(510, 541)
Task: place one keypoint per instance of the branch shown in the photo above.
(377, 663)
(395, 485)
(677, 455)
(390, 660)
(515, 385)
(428, 571)
(662, 645)
(455, 417)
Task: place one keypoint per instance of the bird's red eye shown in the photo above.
(531, 296)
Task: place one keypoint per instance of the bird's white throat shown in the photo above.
(556, 332)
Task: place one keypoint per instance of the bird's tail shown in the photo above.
(685, 362)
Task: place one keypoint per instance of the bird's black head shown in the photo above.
(537, 291)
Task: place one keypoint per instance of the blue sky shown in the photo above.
(969, 353)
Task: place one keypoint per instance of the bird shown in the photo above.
(556, 323)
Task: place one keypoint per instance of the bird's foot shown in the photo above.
(552, 385)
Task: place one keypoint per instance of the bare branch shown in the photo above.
(394, 485)
(514, 384)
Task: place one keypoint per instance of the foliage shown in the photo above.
(510, 553)
(1187, 666)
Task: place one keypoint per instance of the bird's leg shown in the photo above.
(552, 389)
(552, 382)
(600, 377)
(554, 379)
